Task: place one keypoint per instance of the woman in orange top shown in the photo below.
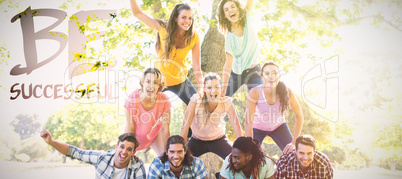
(175, 39)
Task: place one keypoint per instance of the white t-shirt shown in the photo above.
(119, 173)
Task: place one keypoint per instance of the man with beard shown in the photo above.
(247, 160)
(305, 162)
(177, 162)
(117, 163)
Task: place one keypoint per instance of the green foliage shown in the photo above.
(26, 125)
(88, 126)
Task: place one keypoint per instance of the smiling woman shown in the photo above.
(148, 112)
(205, 114)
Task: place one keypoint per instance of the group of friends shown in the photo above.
(203, 129)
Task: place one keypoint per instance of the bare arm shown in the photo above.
(234, 120)
(249, 5)
(165, 126)
(188, 118)
(294, 104)
(147, 20)
(250, 111)
(130, 125)
(196, 58)
(227, 68)
(59, 146)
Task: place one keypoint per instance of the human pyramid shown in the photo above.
(203, 129)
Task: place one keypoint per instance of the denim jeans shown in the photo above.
(250, 77)
(183, 90)
(280, 135)
(219, 146)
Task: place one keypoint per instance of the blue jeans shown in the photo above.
(183, 90)
(219, 146)
(250, 77)
(280, 135)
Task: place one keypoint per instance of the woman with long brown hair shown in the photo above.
(272, 99)
(175, 39)
(242, 63)
(205, 114)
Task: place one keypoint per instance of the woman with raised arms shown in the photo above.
(205, 114)
(271, 100)
(175, 38)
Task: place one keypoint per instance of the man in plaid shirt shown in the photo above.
(177, 162)
(305, 162)
(117, 163)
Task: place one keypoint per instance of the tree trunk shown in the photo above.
(82, 142)
(212, 49)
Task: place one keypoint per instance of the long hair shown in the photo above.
(159, 78)
(223, 22)
(281, 89)
(171, 27)
(204, 100)
(247, 145)
(176, 139)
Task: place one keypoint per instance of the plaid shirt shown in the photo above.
(288, 167)
(157, 169)
(104, 163)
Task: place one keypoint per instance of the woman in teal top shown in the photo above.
(241, 46)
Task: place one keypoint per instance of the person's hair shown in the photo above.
(305, 140)
(171, 26)
(130, 137)
(224, 24)
(204, 100)
(159, 78)
(248, 145)
(281, 89)
(176, 139)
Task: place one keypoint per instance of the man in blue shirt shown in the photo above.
(177, 162)
(117, 163)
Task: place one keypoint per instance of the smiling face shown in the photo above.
(176, 154)
(124, 151)
(240, 160)
(305, 155)
(212, 89)
(150, 85)
(184, 19)
(231, 11)
(270, 76)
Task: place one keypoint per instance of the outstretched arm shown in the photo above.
(251, 104)
(188, 117)
(234, 120)
(165, 126)
(227, 69)
(59, 146)
(147, 20)
(196, 58)
(249, 5)
(294, 104)
(130, 125)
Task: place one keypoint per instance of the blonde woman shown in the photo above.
(148, 112)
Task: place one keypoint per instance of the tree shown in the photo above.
(26, 125)
(88, 126)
